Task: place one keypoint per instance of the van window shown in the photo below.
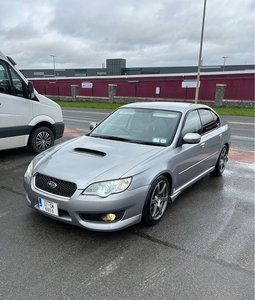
(5, 86)
(18, 84)
(10, 82)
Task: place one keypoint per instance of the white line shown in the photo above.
(241, 123)
(79, 120)
(85, 112)
(242, 138)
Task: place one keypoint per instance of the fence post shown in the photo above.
(220, 94)
(74, 91)
(112, 92)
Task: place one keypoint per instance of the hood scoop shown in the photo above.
(89, 152)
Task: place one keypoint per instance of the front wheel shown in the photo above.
(156, 201)
(40, 139)
(221, 162)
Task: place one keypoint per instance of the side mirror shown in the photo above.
(30, 90)
(92, 125)
(192, 138)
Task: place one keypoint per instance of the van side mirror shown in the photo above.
(30, 90)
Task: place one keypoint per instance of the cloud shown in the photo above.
(146, 33)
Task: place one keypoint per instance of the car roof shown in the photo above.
(166, 105)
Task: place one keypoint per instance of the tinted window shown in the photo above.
(209, 120)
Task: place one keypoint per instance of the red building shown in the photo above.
(239, 86)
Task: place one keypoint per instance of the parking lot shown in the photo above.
(203, 248)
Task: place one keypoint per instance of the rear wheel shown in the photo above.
(156, 201)
(40, 139)
(221, 163)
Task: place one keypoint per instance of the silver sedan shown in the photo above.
(129, 166)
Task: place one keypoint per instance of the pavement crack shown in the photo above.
(205, 257)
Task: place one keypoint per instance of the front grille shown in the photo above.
(98, 217)
(62, 187)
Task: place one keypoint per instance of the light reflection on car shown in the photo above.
(130, 166)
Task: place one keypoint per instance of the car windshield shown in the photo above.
(134, 125)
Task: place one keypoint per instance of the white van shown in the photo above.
(26, 117)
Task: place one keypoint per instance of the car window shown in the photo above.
(192, 123)
(209, 120)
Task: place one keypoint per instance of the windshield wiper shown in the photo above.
(149, 143)
(116, 138)
(110, 137)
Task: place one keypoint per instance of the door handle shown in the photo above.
(220, 136)
(202, 145)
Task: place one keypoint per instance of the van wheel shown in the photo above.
(40, 139)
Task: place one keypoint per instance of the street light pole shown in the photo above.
(200, 54)
(224, 57)
(53, 56)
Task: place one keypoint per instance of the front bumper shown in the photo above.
(87, 211)
(58, 129)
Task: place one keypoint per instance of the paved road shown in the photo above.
(202, 249)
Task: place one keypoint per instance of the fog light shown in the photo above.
(109, 217)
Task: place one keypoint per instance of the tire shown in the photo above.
(156, 201)
(221, 162)
(40, 139)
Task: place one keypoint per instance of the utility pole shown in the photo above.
(200, 54)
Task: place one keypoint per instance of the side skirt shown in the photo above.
(177, 192)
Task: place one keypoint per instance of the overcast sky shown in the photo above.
(147, 33)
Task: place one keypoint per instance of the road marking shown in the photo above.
(242, 138)
(241, 123)
(84, 112)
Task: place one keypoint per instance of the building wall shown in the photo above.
(239, 86)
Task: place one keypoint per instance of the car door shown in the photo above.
(211, 137)
(191, 157)
(16, 110)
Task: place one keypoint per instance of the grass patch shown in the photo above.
(235, 111)
(224, 110)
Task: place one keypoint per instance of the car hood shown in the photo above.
(88, 159)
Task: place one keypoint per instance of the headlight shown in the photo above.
(36, 159)
(30, 169)
(106, 188)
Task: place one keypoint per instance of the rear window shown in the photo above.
(209, 120)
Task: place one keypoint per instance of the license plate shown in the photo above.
(48, 206)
